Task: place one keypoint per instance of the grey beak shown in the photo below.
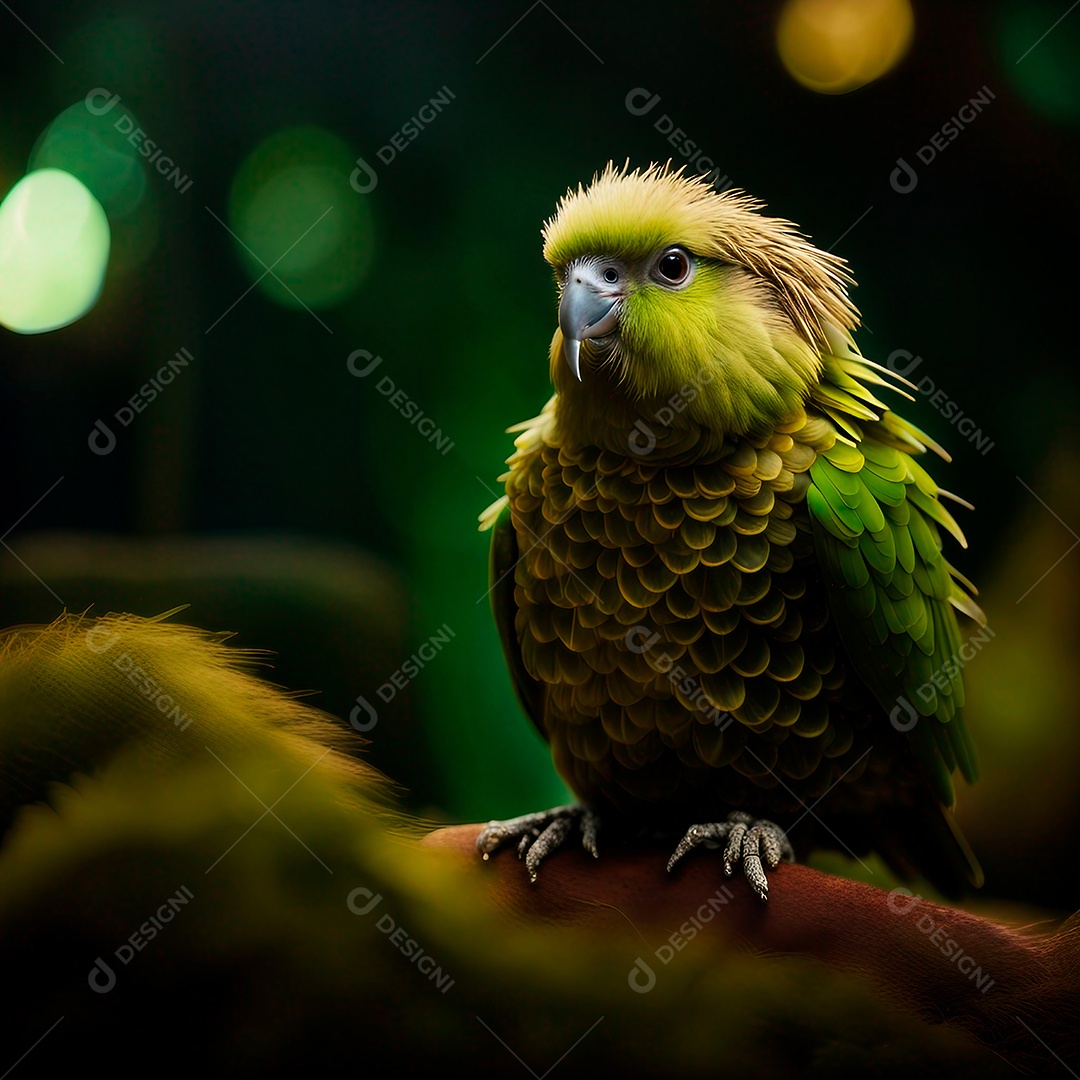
(588, 309)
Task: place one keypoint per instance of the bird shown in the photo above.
(718, 570)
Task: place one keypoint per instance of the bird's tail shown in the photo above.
(927, 843)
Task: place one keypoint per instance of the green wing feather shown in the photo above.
(504, 560)
(876, 522)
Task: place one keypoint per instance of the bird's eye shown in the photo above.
(611, 275)
(673, 267)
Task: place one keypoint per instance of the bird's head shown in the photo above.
(665, 283)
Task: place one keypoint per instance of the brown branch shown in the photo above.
(1016, 992)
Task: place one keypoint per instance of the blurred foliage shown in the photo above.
(269, 432)
(267, 971)
(1023, 816)
(230, 891)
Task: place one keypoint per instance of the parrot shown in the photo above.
(717, 571)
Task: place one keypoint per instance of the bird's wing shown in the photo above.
(504, 559)
(876, 515)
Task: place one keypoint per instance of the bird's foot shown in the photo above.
(540, 835)
(747, 841)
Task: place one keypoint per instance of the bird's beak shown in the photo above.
(588, 309)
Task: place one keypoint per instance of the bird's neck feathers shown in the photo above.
(740, 371)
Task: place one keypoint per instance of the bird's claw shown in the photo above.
(540, 835)
(747, 840)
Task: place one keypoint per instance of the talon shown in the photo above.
(746, 840)
(541, 834)
(734, 849)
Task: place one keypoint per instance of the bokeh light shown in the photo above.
(835, 46)
(295, 212)
(91, 148)
(93, 140)
(1044, 66)
(54, 248)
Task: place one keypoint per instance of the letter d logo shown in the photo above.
(368, 186)
(100, 92)
(893, 362)
(372, 900)
(641, 439)
(99, 445)
(635, 98)
(903, 178)
(354, 717)
(94, 640)
(638, 985)
(372, 363)
(639, 640)
(902, 900)
(903, 717)
(94, 978)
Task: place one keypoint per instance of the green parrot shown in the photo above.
(717, 569)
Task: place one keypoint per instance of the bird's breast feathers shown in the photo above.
(667, 608)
